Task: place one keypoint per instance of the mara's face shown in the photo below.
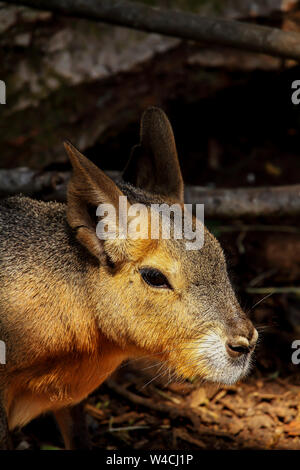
(179, 306)
(160, 298)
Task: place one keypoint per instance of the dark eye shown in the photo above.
(154, 278)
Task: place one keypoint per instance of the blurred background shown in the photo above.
(235, 126)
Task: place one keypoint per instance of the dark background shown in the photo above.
(235, 126)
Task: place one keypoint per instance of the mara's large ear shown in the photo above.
(154, 164)
(88, 188)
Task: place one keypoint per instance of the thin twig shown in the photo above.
(172, 410)
(273, 290)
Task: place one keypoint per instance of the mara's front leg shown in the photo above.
(5, 440)
(72, 424)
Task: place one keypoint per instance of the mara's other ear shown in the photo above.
(154, 164)
(88, 188)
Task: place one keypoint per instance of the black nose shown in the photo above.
(236, 349)
(238, 346)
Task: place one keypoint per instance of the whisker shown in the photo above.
(150, 367)
(262, 327)
(150, 355)
(153, 378)
(261, 300)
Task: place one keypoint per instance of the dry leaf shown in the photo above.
(259, 422)
(272, 169)
(197, 398)
(293, 428)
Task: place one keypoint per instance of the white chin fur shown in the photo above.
(219, 366)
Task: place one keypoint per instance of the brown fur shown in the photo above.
(73, 307)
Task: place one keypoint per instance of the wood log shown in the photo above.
(275, 201)
(278, 201)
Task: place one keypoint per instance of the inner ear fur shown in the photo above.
(153, 164)
(87, 188)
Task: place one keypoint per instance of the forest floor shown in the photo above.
(261, 413)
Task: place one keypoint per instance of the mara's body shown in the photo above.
(73, 306)
(56, 354)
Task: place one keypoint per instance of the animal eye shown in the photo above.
(155, 278)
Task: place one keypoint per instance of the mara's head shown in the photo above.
(152, 295)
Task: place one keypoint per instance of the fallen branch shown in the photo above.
(180, 24)
(277, 201)
(48, 185)
(33, 182)
(258, 228)
(243, 202)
